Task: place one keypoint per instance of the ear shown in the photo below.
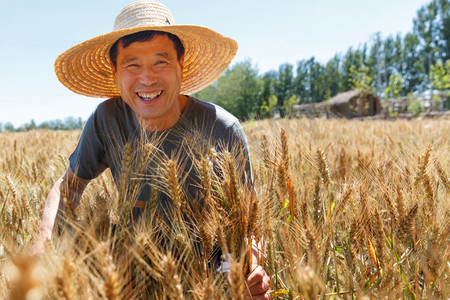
(181, 63)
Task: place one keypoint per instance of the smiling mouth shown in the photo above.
(148, 96)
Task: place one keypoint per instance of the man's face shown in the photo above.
(149, 76)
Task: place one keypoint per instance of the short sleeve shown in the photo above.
(239, 139)
(88, 160)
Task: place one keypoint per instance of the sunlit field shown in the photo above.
(342, 209)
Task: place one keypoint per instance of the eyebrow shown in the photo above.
(165, 55)
(128, 60)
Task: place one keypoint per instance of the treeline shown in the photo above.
(69, 123)
(393, 67)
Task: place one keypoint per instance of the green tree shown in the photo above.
(268, 108)
(9, 127)
(425, 29)
(208, 94)
(351, 59)
(289, 103)
(415, 106)
(446, 36)
(314, 82)
(71, 123)
(440, 75)
(387, 58)
(394, 88)
(301, 81)
(268, 82)
(360, 79)
(238, 90)
(374, 62)
(333, 77)
(284, 85)
(413, 72)
(31, 126)
(431, 28)
(318, 85)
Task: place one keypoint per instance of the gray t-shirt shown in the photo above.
(113, 124)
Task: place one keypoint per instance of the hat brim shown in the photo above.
(86, 69)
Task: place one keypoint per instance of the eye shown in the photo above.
(159, 65)
(132, 66)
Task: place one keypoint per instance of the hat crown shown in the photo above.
(143, 13)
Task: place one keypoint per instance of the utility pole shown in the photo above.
(379, 84)
(430, 62)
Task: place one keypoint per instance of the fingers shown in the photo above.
(256, 276)
(258, 284)
(265, 296)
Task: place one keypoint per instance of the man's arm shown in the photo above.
(258, 281)
(73, 187)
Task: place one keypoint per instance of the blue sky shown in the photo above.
(34, 33)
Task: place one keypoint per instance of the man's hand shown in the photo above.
(257, 284)
(38, 248)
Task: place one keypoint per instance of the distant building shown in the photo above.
(351, 104)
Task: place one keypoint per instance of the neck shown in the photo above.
(168, 121)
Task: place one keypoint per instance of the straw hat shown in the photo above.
(85, 68)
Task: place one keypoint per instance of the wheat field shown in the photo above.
(341, 209)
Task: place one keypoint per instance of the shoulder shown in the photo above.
(113, 106)
(211, 112)
(114, 120)
(213, 122)
(113, 112)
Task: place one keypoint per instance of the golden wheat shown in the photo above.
(343, 209)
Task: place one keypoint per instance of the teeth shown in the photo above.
(149, 96)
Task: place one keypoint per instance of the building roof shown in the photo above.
(336, 100)
(342, 97)
(339, 99)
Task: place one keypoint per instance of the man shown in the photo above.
(146, 66)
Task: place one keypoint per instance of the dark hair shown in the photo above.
(143, 36)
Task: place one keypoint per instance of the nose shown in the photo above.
(147, 76)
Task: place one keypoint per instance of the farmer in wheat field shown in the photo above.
(147, 67)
